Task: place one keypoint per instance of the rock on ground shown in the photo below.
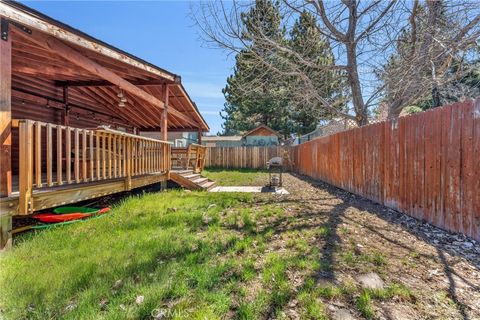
(370, 281)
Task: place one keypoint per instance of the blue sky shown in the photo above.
(160, 32)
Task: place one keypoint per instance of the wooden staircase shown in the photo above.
(191, 180)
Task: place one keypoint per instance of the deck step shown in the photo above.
(192, 176)
(209, 185)
(190, 180)
(184, 172)
(200, 180)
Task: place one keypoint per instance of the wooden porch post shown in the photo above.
(200, 136)
(25, 177)
(164, 124)
(5, 110)
(5, 131)
(164, 128)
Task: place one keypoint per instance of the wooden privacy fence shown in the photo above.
(426, 165)
(242, 157)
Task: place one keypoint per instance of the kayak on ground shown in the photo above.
(69, 214)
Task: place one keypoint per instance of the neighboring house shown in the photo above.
(260, 136)
(179, 139)
(222, 141)
(332, 127)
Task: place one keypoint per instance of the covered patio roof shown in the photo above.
(55, 65)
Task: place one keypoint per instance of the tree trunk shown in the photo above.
(435, 97)
(361, 116)
(395, 109)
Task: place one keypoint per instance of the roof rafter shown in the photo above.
(96, 83)
(77, 58)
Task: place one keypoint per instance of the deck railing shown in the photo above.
(53, 155)
(192, 157)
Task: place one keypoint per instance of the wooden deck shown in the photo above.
(190, 158)
(60, 165)
(66, 194)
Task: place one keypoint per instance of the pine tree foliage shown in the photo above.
(253, 96)
(257, 94)
(309, 44)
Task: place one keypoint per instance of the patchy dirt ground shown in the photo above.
(412, 269)
(321, 252)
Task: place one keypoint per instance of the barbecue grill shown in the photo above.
(275, 170)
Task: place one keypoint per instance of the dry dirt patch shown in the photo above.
(428, 273)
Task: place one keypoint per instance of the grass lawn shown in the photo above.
(174, 249)
(199, 255)
(238, 177)
(185, 254)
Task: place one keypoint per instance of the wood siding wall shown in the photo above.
(426, 165)
(242, 157)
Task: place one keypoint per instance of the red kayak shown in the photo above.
(55, 218)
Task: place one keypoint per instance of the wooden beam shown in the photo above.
(41, 100)
(45, 71)
(158, 92)
(199, 136)
(102, 83)
(77, 58)
(164, 123)
(106, 104)
(5, 112)
(186, 129)
(87, 64)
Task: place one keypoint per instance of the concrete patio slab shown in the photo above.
(251, 189)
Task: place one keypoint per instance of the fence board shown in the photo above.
(242, 157)
(425, 165)
(476, 181)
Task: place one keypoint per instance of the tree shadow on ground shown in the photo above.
(398, 219)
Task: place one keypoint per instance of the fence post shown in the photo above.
(25, 204)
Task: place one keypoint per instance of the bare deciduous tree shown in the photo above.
(435, 50)
(363, 36)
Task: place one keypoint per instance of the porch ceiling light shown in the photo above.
(120, 95)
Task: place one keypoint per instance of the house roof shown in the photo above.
(222, 138)
(44, 70)
(264, 127)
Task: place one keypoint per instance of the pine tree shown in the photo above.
(252, 94)
(307, 41)
(255, 94)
